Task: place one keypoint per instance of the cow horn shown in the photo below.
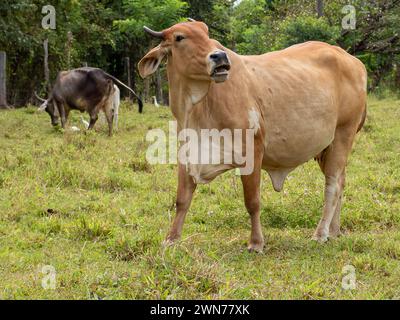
(156, 34)
(39, 98)
(191, 20)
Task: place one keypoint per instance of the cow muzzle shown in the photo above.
(43, 106)
(220, 66)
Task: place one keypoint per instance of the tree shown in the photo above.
(22, 38)
(157, 15)
(376, 38)
(320, 8)
(104, 32)
(251, 27)
(302, 29)
(216, 14)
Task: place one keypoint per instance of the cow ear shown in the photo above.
(150, 62)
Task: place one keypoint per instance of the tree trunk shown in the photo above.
(397, 76)
(320, 8)
(3, 91)
(146, 89)
(69, 45)
(159, 93)
(46, 65)
(378, 75)
(128, 75)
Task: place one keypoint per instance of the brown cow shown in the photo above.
(308, 101)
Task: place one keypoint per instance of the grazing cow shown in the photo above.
(307, 101)
(85, 89)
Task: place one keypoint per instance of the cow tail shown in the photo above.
(363, 118)
(140, 102)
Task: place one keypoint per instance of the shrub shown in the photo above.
(301, 29)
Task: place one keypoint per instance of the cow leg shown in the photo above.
(251, 190)
(333, 164)
(66, 114)
(186, 188)
(63, 114)
(93, 119)
(334, 228)
(110, 119)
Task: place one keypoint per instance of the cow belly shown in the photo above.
(282, 157)
(205, 173)
(293, 149)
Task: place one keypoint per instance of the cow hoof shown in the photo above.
(256, 247)
(168, 243)
(320, 238)
(335, 233)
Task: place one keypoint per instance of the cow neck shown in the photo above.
(184, 95)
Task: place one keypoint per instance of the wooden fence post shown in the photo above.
(3, 78)
(46, 65)
(128, 74)
(159, 92)
(146, 89)
(69, 45)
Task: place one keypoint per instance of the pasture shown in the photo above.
(95, 210)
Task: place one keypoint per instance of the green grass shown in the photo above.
(91, 207)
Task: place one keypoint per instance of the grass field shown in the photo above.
(92, 208)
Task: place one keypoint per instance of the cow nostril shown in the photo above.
(219, 56)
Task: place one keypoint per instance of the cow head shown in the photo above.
(190, 52)
(48, 106)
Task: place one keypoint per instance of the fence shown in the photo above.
(3, 91)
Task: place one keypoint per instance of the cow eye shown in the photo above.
(179, 38)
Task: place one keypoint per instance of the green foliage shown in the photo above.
(253, 41)
(106, 32)
(305, 28)
(251, 27)
(22, 39)
(158, 15)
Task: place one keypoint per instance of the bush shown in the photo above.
(301, 29)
